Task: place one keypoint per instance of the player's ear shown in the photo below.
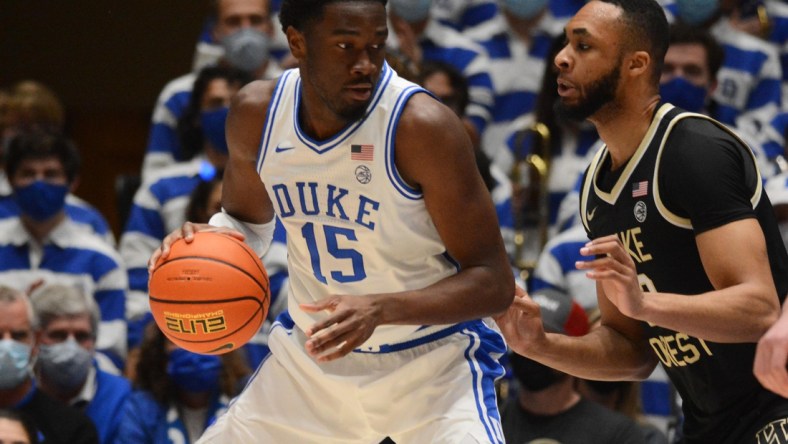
(297, 42)
(639, 63)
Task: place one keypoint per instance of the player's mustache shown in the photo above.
(367, 81)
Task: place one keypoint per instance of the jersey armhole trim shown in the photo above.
(673, 218)
(391, 131)
(273, 107)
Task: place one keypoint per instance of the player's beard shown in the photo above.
(598, 93)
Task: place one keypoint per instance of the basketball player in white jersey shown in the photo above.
(393, 248)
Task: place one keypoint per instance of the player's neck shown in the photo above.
(317, 120)
(622, 127)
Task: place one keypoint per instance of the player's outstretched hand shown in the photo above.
(521, 324)
(351, 321)
(186, 231)
(771, 358)
(614, 269)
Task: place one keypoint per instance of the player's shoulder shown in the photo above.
(423, 112)
(699, 132)
(258, 94)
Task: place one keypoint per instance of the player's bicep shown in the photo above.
(435, 154)
(749, 264)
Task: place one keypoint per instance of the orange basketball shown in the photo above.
(209, 296)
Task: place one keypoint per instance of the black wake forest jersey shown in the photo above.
(690, 174)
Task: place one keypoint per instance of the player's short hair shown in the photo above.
(647, 29)
(681, 33)
(300, 13)
(41, 144)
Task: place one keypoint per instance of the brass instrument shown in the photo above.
(530, 195)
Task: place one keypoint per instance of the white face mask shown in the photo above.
(14, 363)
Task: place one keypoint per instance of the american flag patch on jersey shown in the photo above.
(361, 152)
(640, 189)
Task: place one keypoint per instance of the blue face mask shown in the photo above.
(524, 9)
(696, 12)
(41, 200)
(213, 128)
(680, 92)
(14, 360)
(194, 372)
(411, 11)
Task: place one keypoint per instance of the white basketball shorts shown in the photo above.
(434, 389)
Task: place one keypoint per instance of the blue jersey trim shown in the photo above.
(391, 131)
(340, 137)
(269, 118)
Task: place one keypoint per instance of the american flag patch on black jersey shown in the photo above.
(640, 189)
(362, 152)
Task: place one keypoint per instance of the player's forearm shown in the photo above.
(603, 354)
(742, 313)
(473, 293)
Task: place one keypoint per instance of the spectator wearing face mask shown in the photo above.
(66, 368)
(54, 422)
(43, 246)
(748, 95)
(242, 32)
(177, 393)
(690, 79)
(546, 405)
(420, 38)
(30, 105)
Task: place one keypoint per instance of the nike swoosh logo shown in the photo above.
(281, 149)
(590, 214)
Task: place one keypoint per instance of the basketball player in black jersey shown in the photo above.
(685, 250)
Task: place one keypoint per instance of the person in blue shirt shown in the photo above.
(177, 393)
(66, 368)
(43, 246)
(31, 105)
(241, 32)
(53, 421)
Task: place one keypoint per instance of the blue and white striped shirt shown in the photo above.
(70, 256)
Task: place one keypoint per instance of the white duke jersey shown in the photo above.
(353, 225)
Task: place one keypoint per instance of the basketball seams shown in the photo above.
(171, 261)
(210, 269)
(210, 301)
(249, 252)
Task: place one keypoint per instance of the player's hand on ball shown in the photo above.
(186, 231)
(521, 324)
(351, 321)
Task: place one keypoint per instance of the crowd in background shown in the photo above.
(81, 359)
